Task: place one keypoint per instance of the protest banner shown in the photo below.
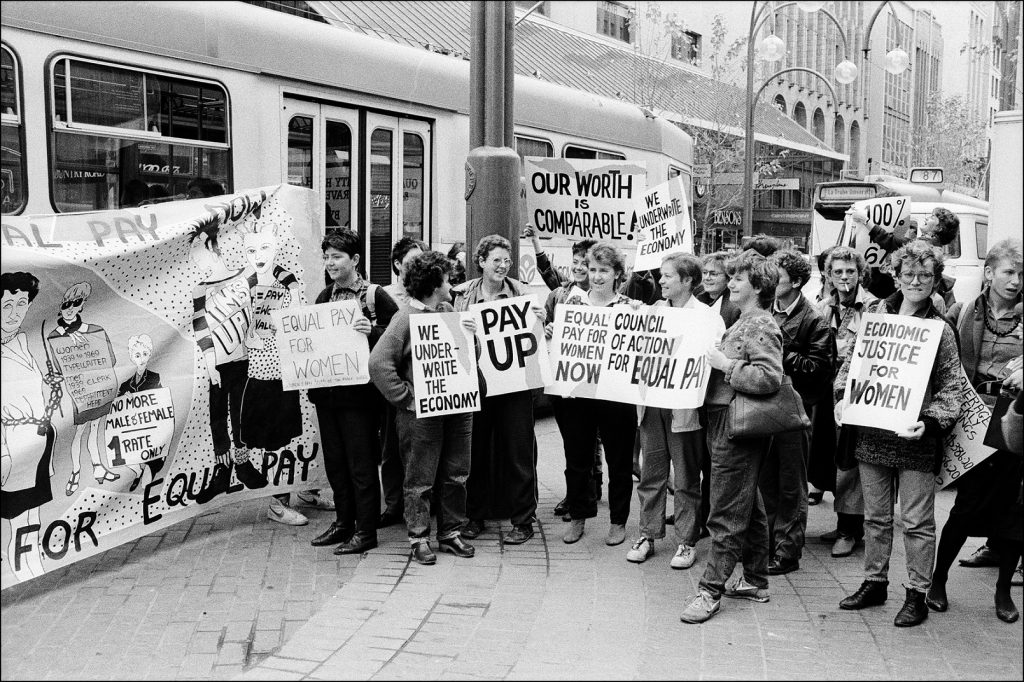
(583, 198)
(654, 355)
(889, 371)
(663, 224)
(319, 346)
(514, 351)
(134, 329)
(443, 365)
(963, 447)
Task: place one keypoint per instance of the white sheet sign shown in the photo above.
(514, 353)
(444, 365)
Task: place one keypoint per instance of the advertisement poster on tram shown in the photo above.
(129, 337)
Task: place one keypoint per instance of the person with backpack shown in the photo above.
(349, 416)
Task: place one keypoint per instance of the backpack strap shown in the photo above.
(370, 303)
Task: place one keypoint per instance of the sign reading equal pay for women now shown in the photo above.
(652, 356)
(889, 371)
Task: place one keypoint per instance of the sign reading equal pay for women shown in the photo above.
(889, 371)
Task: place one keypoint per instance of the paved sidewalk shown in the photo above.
(232, 595)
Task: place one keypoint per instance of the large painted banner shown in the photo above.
(653, 355)
(584, 198)
(889, 370)
(514, 351)
(129, 337)
(663, 224)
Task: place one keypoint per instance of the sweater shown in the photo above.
(754, 343)
(939, 411)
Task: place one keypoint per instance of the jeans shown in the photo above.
(917, 505)
(226, 404)
(392, 474)
(581, 418)
(349, 438)
(738, 524)
(685, 451)
(783, 486)
(503, 473)
(435, 447)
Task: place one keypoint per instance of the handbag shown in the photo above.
(752, 416)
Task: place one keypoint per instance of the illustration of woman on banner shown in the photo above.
(140, 350)
(87, 352)
(26, 447)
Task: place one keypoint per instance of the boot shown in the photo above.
(870, 593)
(914, 610)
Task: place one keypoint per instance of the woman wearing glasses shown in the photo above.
(987, 501)
(906, 460)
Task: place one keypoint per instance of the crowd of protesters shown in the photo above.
(750, 495)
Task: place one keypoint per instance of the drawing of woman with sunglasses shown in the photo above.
(86, 357)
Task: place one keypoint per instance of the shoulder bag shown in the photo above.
(753, 416)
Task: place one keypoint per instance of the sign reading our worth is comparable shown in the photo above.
(652, 356)
(319, 347)
(514, 353)
(663, 224)
(889, 371)
(583, 198)
(964, 447)
(443, 365)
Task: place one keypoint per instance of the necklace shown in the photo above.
(993, 326)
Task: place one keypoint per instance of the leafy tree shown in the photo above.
(952, 137)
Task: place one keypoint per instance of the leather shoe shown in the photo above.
(983, 557)
(334, 535)
(472, 529)
(844, 546)
(456, 546)
(936, 599)
(519, 534)
(782, 566)
(1007, 610)
(814, 498)
(422, 554)
(358, 543)
(870, 593)
(562, 508)
(914, 611)
(389, 518)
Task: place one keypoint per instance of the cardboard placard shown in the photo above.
(663, 224)
(319, 346)
(514, 351)
(445, 379)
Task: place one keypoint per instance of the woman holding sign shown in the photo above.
(987, 497)
(503, 474)
(905, 459)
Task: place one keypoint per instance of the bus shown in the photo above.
(964, 256)
(121, 103)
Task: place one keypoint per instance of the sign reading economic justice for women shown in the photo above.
(583, 198)
(514, 352)
(964, 447)
(889, 371)
(652, 356)
(320, 347)
(663, 224)
(443, 365)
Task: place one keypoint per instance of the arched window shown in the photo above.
(839, 135)
(780, 104)
(854, 146)
(819, 124)
(800, 114)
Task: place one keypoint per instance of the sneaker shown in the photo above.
(314, 499)
(641, 549)
(744, 590)
(685, 557)
(282, 513)
(616, 534)
(702, 608)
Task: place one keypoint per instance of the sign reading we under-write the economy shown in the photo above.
(443, 365)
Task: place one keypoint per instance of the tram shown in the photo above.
(123, 103)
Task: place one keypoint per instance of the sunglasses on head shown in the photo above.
(74, 303)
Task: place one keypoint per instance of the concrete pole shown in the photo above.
(492, 166)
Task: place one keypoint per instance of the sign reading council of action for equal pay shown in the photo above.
(514, 356)
(443, 365)
(889, 371)
(663, 224)
(654, 355)
(583, 198)
(319, 346)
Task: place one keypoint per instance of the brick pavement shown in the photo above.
(232, 595)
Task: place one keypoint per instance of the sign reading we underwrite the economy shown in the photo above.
(653, 355)
(319, 346)
(889, 371)
(514, 353)
(444, 374)
(583, 198)
(663, 224)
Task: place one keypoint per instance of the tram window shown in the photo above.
(981, 238)
(412, 185)
(300, 151)
(381, 151)
(674, 172)
(13, 187)
(572, 151)
(526, 146)
(338, 176)
(126, 137)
